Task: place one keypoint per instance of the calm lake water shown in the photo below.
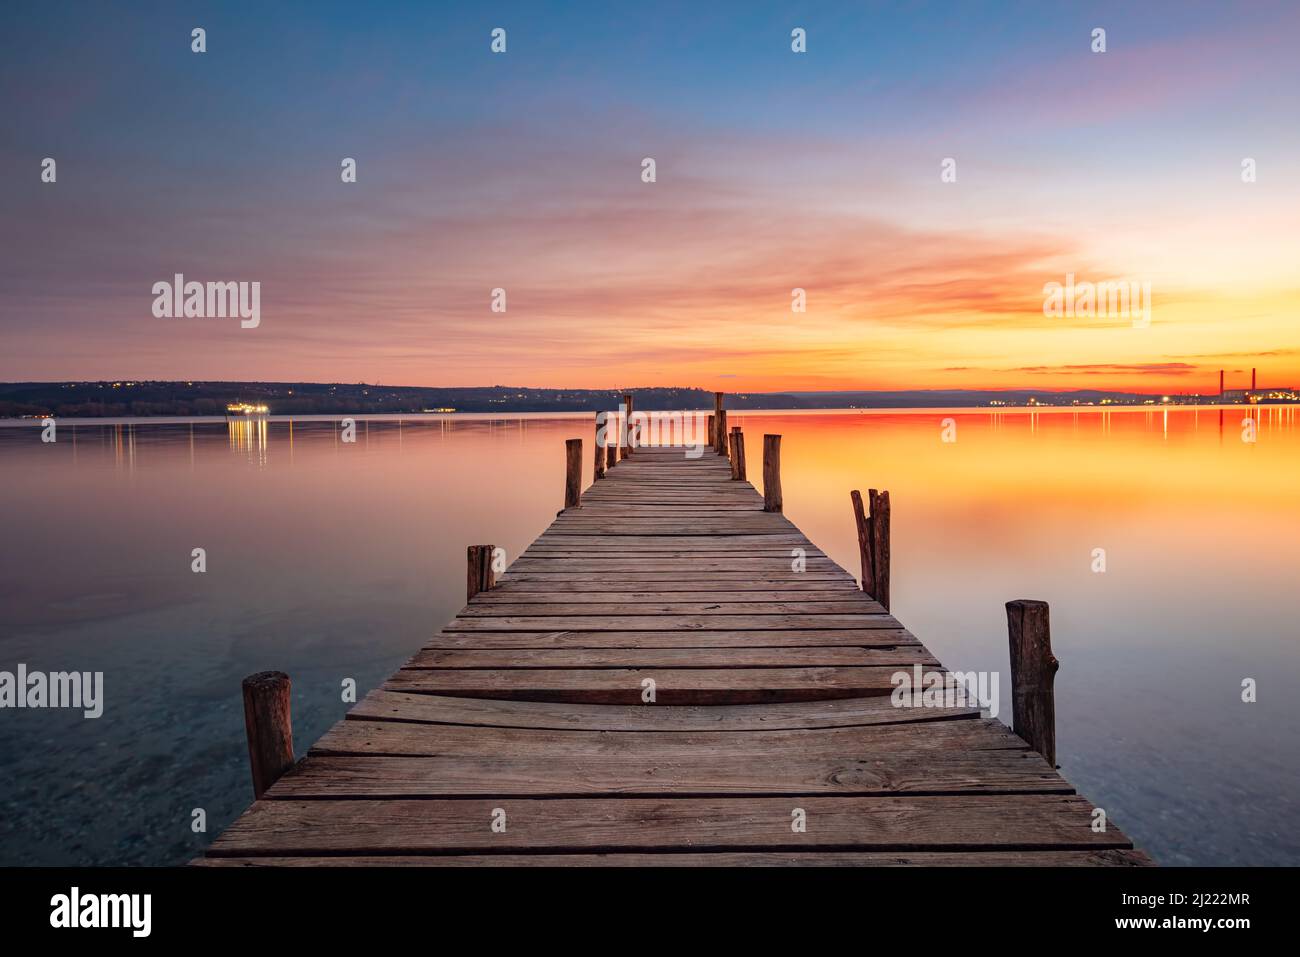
(331, 561)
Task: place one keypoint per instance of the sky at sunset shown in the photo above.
(774, 169)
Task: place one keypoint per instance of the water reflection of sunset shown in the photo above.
(346, 556)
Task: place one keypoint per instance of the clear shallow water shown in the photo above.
(333, 561)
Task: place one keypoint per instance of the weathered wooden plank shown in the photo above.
(790, 715)
(514, 594)
(680, 606)
(875, 823)
(361, 737)
(884, 637)
(698, 564)
(738, 524)
(714, 490)
(666, 528)
(714, 579)
(583, 590)
(669, 622)
(805, 657)
(1030, 858)
(702, 641)
(691, 507)
(701, 543)
(671, 686)
(550, 775)
(559, 553)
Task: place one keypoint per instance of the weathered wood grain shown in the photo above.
(552, 775)
(805, 657)
(669, 719)
(1029, 858)
(655, 742)
(666, 622)
(671, 686)
(939, 822)
(885, 636)
(811, 605)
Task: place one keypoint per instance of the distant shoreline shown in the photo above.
(396, 417)
(132, 399)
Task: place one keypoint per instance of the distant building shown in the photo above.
(1260, 395)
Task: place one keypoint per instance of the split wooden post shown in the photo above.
(269, 728)
(722, 434)
(873, 543)
(737, 445)
(627, 406)
(864, 543)
(879, 504)
(572, 473)
(1033, 675)
(772, 473)
(598, 470)
(713, 433)
(479, 575)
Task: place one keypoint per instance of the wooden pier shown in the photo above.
(673, 674)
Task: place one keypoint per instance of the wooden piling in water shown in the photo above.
(269, 727)
(723, 448)
(479, 575)
(1033, 675)
(872, 524)
(864, 542)
(772, 501)
(719, 433)
(737, 444)
(572, 473)
(627, 407)
(873, 543)
(598, 469)
(713, 433)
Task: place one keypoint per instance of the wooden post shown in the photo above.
(864, 543)
(733, 441)
(572, 473)
(713, 434)
(722, 433)
(738, 453)
(719, 426)
(627, 404)
(772, 473)
(873, 543)
(479, 574)
(1033, 675)
(598, 471)
(879, 504)
(269, 728)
